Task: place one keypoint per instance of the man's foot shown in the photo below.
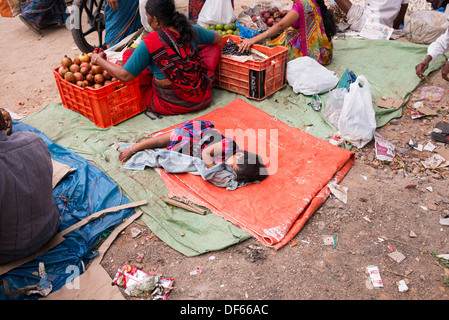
(30, 25)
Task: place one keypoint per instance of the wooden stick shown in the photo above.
(184, 205)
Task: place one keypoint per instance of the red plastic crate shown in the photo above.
(253, 79)
(106, 106)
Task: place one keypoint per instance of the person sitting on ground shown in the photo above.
(306, 30)
(200, 139)
(175, 75)
(28, 213)
(39, 14)
(387, 12)
(436, 48)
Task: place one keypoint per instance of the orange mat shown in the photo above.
(299, 166)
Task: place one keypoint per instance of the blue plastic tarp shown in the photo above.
(83, 192)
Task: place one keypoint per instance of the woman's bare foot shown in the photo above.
(124, 155)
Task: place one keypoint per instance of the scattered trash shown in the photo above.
(429, 146)
(390, 103)
(341, 193)
(443, 256)
(316, 102)
(444, 221)
(328, 240)
(397, 256)
(432, 93)
(135, 232)
(374, 276)
(435, 161)
(412, 234)
(384, 148)
(196, 271)
(402, 286)
(441, 132)
(138, 283)
(413, 145)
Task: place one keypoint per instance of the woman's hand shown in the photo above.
(246, 44)
(113, 4)
(95, 56)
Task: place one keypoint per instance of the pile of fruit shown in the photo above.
(81, 72)
(224, 30)
(270, 16)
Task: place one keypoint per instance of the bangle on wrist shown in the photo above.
(98, 56)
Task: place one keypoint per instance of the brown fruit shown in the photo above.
(84, 57)
(74, 68)
(97, 85)
(267, 15)
(63, 70)
(270, 21)
(81, 84)
(69, 76)
(90, 78)
(98, 78)
(78, 76)
(66, 62)
(76, 61)
(96, 69)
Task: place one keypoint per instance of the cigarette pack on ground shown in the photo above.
(374, 274)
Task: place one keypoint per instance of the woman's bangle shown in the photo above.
(98, 56)
(131, 146)
(267, 34)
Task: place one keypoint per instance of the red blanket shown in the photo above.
(300, 167)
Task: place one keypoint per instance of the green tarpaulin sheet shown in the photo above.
(388, 66)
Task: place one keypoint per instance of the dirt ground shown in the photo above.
(381, 215)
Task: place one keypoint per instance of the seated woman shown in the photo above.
(39, 14)
(200, 139)
(175, 75)
(306, 30)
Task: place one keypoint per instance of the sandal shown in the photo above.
(30, 25)
(441, 132)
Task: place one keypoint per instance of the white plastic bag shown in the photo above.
(334, 105)
(143, 16)
(308, 77)
(215, 12)
(357, 122)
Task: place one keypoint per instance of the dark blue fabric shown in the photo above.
(83, 192)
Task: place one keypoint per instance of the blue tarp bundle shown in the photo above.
(83, 192)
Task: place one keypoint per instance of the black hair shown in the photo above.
(250, 168)
(5, 121)
(2, 122)
(165, 12)
(328, 20)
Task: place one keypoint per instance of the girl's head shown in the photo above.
(163, 14)
(5, 121)
(248, 166)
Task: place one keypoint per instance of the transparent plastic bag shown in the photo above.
(357, 121)
(334, 105)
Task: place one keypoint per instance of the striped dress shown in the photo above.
(193, 136)
(121, 22)
(306, 36)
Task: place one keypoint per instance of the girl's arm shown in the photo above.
(209, 152)
(153, 142)
(279, 27)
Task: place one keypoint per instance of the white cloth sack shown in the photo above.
(334, 105)
(308, 77)
(425, 27)
(215, 12)
(357, 122)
